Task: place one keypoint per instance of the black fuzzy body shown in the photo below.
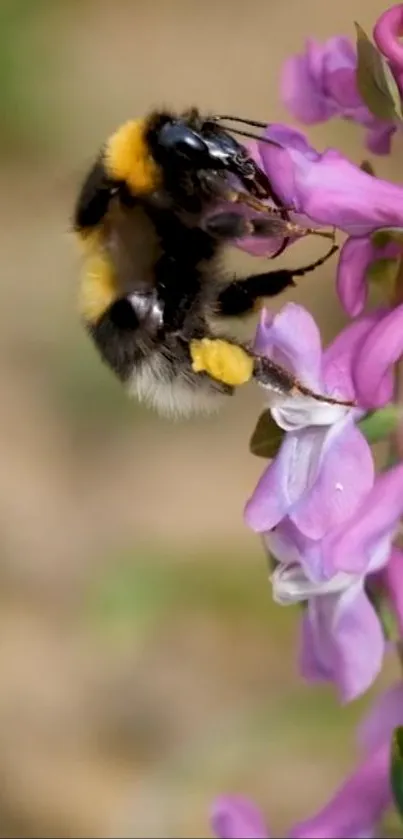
(163, 246)
(161, 255)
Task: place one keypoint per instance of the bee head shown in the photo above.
(145, 154)
(197, 146)
(191, 143)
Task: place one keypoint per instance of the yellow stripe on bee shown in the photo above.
(98, 286)
(128, 158)
(228, 363)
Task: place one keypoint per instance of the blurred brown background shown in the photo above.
(143, 668)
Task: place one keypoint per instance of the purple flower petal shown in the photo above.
(387, 33)
(301, 95)
(356, 546)
(374, 374)
(234, 817)
(328, 188)
(321, 83)
(339, 75)
(345, 476)
(342, 89)
(279, 164)
(339, 358)
(378, 139)
(292, 140)
(292, 339)
(385, 715)
(355, 809)
(314, 662)
(356, 256)
(315, 53)
(291, 548)
(259, 246)
(333, 191)
(342, 641)
(285, 479)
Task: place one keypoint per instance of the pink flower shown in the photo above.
(356, 256)
(324, 465)
(234, 817)
(356, 808)
(321, 83)
(365, 540)
(375, 359)
(324, 519)
(341, 639)
(327, 187)
(330, 191)
(387, 34)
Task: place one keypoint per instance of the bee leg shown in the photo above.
(94, 198)
(222, 359)
(233, 364)
(243, 296)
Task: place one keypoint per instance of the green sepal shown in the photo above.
(375, 80)
(267, 437)
(384, 235)
(380, 424)
(396, 768)
(383, 274)
(385, 612)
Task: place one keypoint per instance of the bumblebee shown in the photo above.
(153, 216)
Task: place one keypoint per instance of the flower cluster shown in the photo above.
(322, 82)
(326, 519)
(329, 520)
(355, 809)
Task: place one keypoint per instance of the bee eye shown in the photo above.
(180, 139)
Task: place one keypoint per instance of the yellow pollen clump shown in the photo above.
(128, 158)
(228, 363)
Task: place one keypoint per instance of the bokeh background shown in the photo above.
(143, 667)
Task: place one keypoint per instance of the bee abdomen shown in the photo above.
(173, 389)
(114, 335)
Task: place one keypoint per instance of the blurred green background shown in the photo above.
(143, 667)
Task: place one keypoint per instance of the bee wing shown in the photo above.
(133, 247)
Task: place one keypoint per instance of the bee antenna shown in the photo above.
(234, 130)
(255, 123)
(253, 136)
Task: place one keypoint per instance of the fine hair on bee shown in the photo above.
(153, 215)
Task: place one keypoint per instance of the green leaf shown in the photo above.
(375, 80)
(386, 615)
(267, 437)
(396, 768)
(272, 562)
(386, 235)
(383, 273)
(380, 424)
